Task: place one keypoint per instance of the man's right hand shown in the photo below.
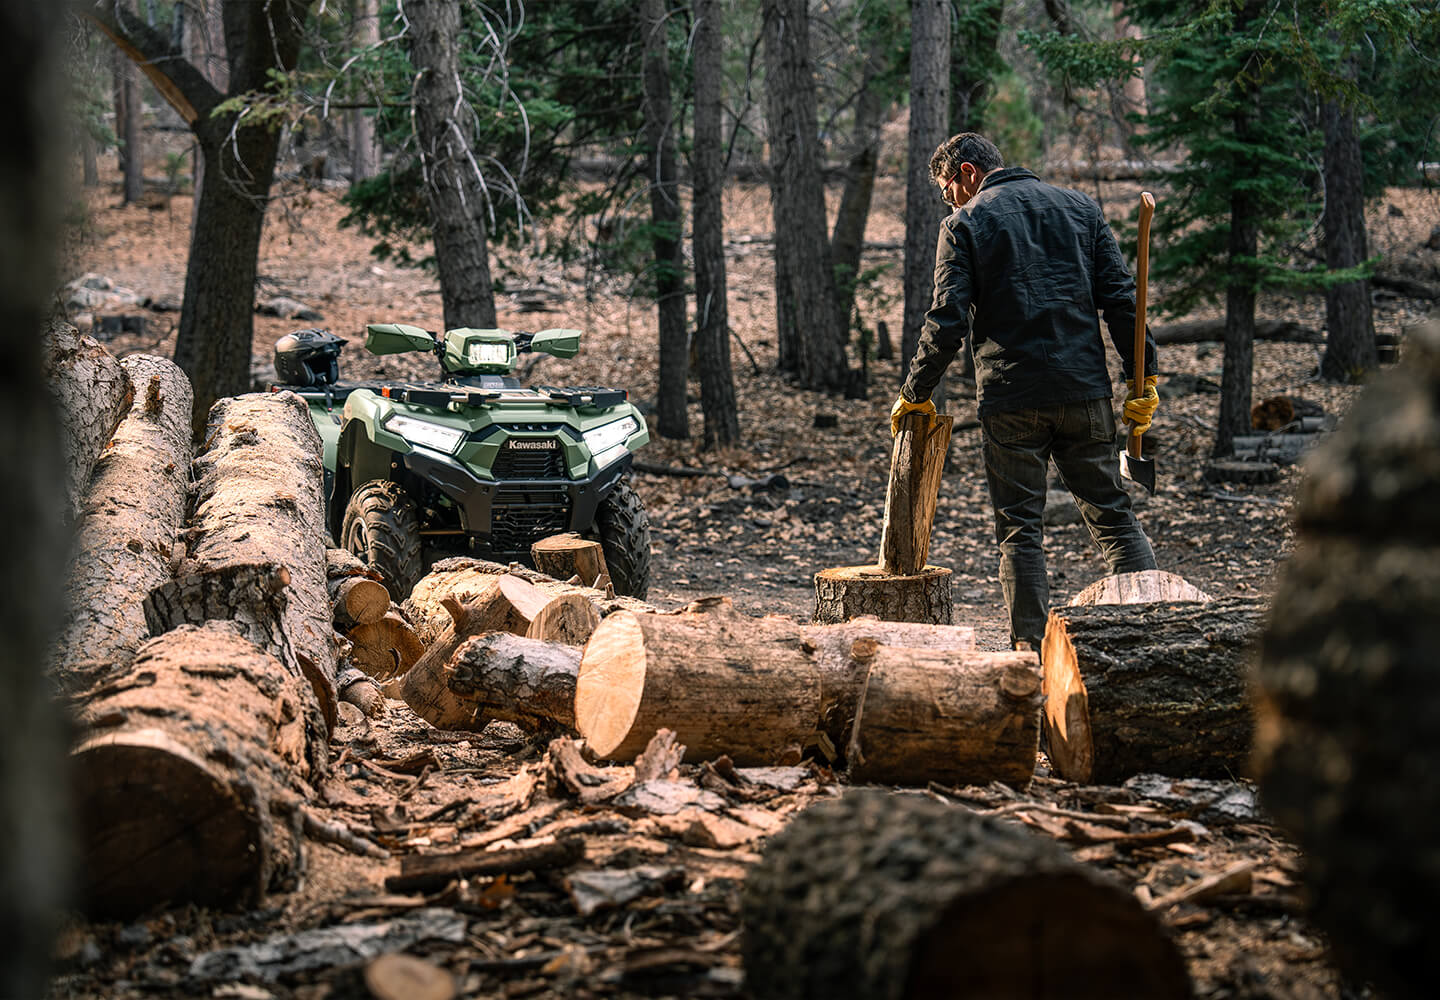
(903, 406)
(1140, 407)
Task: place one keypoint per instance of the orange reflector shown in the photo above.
(385, 391)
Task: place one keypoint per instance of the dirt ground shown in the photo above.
(760, 548)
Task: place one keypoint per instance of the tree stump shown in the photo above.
(846, 592)
(917, 460)
(879, 896)
(569, 555)
(182, 764)
(1149, 586)
(1347, 704)
(131, 516)
(93, 392)
(1149, 688)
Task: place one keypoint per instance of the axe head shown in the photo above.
(1137, 469)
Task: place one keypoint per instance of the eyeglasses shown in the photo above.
(945, 190)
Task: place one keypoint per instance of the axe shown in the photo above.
(1132, 466)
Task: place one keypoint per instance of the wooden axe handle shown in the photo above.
(1142, 280)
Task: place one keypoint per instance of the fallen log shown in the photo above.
(1149, 586)
(1275, 447)
(846, 592)
(257, 498)
(164, 817)
(93, 392)
(1202, 330)
(526, 681)
(429, 872)
(387, 647)
(357, 595)
(1149, 688)
(1346, 702)
(879, 896)
(568, 555)
(917, 460)
(132, 512)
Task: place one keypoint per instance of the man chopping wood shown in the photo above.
(1027, 269)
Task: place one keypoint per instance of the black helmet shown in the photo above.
(308, 357)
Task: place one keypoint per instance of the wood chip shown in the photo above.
(1233, 880)
(404, 977)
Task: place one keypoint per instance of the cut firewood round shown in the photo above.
(1242, 471)
(1149, 687)
(846, 592)
(878, 896)
(568, 555)
(1146, 587)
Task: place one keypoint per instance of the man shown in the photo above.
(1024, 268)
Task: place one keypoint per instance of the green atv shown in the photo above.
(473, 463)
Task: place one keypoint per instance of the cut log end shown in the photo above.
(1067, 709)
(611, 682)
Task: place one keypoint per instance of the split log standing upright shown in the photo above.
(1348, 706)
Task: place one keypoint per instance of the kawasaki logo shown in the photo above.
(521, 444)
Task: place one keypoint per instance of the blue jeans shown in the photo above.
(1019, 445)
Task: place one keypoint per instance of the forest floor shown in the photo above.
(761, 548)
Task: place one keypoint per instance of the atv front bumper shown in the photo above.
(510, 514)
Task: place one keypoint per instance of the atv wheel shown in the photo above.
(624, 530)
(382, 528)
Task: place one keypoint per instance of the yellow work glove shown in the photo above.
(903, 406)
(1139, 409)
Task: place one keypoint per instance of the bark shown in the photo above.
(916, 464)
(167, 817)
(1350, 349)
(568, 555)
(672, 420)
(811, 330)
(929, 126)
(846, 592)
(1140, 688)
(847, 239)
(128, 114)
(1347, 706)
(898, 897)
(258, 499)
(530, 682)
(364, 144)
(712, 316)
(454, 188)
(93, 392)
(34, 866)
(1145, 587)
(128, 532)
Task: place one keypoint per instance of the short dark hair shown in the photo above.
(967, 147)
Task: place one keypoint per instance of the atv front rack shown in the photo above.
(579, 397)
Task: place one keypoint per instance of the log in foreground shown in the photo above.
(182, 765)
(92, 392)
(131, 517)
(879, 896)
(916, 461)
(1347, 702)
(846, 592)
(1149, 687)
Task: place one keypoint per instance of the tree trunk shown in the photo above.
(454, 188)
(1350, 350)
(972, 53)
(134, 509)
(898, 897)
(672, 420)
(929, 127)
(847, 239)
(35, 873)
(846, 592)
(712, 313)
(1347, 706)
(129, 112)
(1149, 688)
(364, 144)
(89, 160)
(1145, 587)
(166, 819)
(916, 464)
(526, 681)
(811, 331)
(258, 500)
(93, 392)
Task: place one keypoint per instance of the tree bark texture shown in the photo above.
(1145, 587)
(846, 592)
(258, 499)
(897, 897)
(1350, 349)
(672, 419)
(929, 127)
(1157, 688)
(847, 239)
(811, 330)
(454, 187)
(917, 461)
(34, 866)
(129, 528)
(526, 681)
(92, 393)
(718, 408)
(1347, 707)
(182, 765)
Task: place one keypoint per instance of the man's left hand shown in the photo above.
(903, 406)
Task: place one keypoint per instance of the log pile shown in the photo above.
(93, 391)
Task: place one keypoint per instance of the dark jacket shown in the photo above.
(1025, 267)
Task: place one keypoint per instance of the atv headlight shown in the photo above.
(608, 436)
(487, 352)
(426, 434)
